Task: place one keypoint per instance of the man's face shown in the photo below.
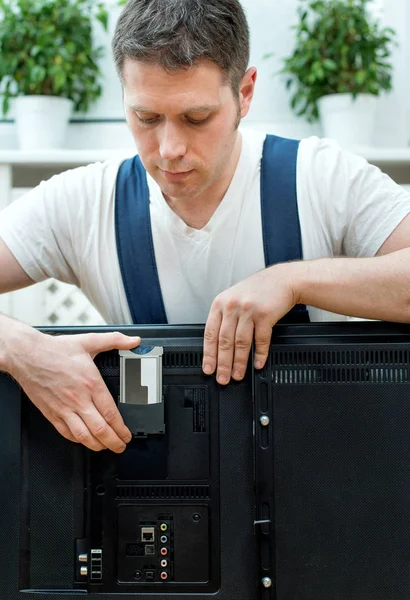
(184, 124)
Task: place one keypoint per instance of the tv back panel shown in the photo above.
(290, 485)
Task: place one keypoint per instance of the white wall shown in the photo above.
(270, 22)
(394, 109)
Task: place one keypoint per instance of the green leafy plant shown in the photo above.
(339, 49)
(46, 48)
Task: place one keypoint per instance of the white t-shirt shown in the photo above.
(64, 228)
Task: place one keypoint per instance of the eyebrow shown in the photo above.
(194, 109)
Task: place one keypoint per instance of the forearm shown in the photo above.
(370, 288)
(15, 338)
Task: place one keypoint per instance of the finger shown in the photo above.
(263, 335)
(94, 343)
(106, 407)
(62, 428)
(226, 344)
(82, 434)
(211, 336)
(243, 344)
(101, 430)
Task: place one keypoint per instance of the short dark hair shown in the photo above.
(176, 34)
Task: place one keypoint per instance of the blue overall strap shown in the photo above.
(135, 246)
(282, 240)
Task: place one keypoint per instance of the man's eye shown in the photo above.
(148, 121)
(153, 120)
(197, 121)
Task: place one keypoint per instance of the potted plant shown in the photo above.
(339, 66)
(48, 64)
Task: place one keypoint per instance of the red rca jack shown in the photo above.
(164, 563)
(164, 551)
(164, 575)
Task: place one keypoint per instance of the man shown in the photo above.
(187, 85)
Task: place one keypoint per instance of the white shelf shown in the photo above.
(81, 157)
(61, 157)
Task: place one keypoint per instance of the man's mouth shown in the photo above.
(175, 175)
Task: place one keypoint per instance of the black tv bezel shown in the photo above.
(357, 332)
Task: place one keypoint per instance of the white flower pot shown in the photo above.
(349, 121)
(42, 121)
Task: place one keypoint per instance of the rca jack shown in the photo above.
(164, 563)
(163, 527)
(164, 551)
(164, 539)
(164, 575)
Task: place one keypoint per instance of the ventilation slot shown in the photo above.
(108, 363)
(182, 360)
(152, 492)
(341, 366)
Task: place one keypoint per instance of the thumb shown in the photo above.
(94, 343)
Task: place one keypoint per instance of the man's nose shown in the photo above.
(172, 143)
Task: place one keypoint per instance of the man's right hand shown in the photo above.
(59, 376)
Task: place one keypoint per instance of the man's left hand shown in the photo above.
(245, 312)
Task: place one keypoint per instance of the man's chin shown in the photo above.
(179, 191)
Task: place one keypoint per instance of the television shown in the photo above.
(290, 485)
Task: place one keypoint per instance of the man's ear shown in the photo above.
(246, 90)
